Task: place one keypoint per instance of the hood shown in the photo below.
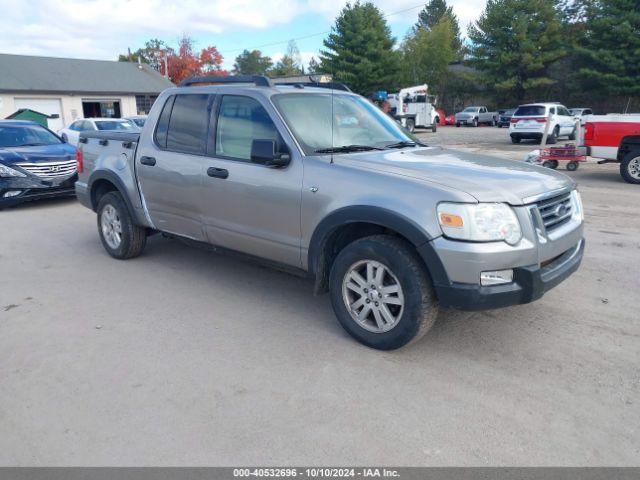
(466, 114)
(36, 154)
(488, 179)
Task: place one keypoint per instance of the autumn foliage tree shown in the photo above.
(181, 63)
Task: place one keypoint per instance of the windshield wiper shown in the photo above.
(347, 148)
(405, 143)
(32, 144)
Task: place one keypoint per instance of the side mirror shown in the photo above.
(265, 153)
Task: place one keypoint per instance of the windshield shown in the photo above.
(114, 125)
(575, 111)
(470, 109)
(509, 112)
(530, 111)
(26, 136)
(355, 121)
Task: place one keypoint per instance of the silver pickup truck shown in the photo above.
(321, 182)
(475, 116)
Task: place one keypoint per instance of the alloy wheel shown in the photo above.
(373, 296)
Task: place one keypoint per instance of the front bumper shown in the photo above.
(34, 188)
(529, 284)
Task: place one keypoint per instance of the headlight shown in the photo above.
(479, 222)
(578, 212)
(10, 172)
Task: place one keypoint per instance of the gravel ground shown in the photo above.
(184, 357)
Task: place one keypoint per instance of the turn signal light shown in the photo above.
(79, 161)
(450, 220)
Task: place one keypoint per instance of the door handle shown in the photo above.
(151, 161)
(217, 172)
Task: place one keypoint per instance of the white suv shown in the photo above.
(529, 121)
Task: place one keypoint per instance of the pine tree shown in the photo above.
(609, 54)
(251, 63)
(513, 43)
(433, 12)
(314, 66)
(359, 50)
(290, 64)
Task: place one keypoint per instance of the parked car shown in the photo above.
(615, 138)
(71, 134)
(414, 107)
(331, 187)
(475, 116)
(504, 118)
(34, 163)
(138, 120)
(529, 121)
(450, 120)
(581, 113)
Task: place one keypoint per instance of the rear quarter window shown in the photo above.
(530, 111)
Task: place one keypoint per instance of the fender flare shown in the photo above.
(115, 180)
(377, 216)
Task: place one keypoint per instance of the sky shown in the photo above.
(102, 29)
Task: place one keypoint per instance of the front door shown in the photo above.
(249, 207)
(171, 167)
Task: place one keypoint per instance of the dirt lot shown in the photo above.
(183, 357)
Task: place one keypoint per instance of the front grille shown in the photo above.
(555, 211)
(49, 170)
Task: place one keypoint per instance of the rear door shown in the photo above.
(246, 206)
(565, 120)
(170, 168)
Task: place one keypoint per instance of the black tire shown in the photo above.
(457, 124)
(475, 122)
(515, 139)
(411, 125)
(550, 164)
(420, 304)
(630, 167)
(572, 135)
(434, 127)
(552, 138)
(132, 237)
(572, 166)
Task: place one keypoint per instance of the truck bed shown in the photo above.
(118, 136)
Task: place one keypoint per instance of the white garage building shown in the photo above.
(71, 88)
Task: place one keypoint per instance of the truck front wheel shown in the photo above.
(120, 237)
(381, 293)
(630, 167)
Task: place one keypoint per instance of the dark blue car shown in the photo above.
(34, 163)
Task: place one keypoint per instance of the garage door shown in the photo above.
(50, 106)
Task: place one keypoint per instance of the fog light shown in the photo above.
(12, 193)
(496, 277)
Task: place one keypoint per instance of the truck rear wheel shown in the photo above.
(630, 167)
(381, 293)
(434, 126)
(411, 124)
(120, 237)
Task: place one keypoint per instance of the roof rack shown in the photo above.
(258, 80)
(318, 81)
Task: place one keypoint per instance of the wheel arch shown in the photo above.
(104, 181)
(348, 224)
(628, 144)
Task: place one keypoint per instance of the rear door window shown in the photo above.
(188, 124)
(160, 135)
(530, 111)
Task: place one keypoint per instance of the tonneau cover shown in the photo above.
(119, 136)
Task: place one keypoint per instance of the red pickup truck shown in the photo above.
(615, 138)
